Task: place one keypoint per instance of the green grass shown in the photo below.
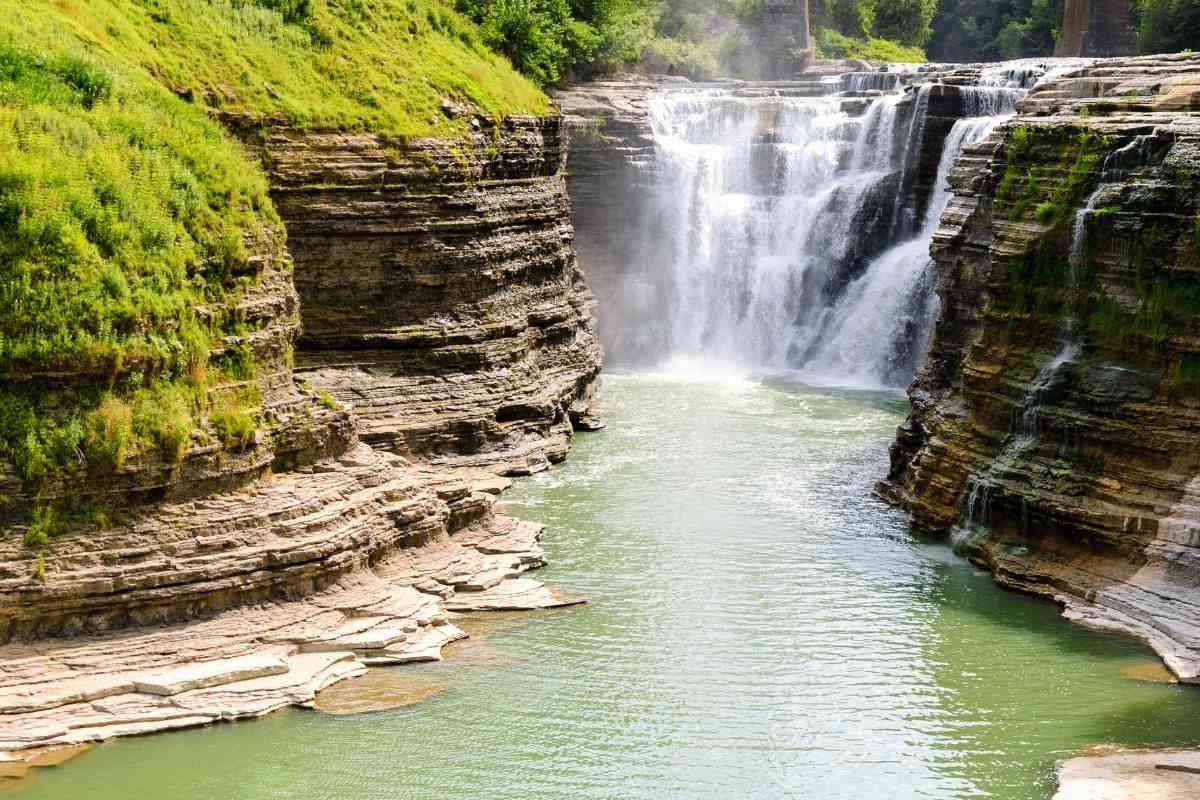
(234, 416)
(121, 212)
(124, 214)
(383, 65)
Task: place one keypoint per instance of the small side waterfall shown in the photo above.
(781, 234)
(1025, 428)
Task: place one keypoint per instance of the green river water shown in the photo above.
(760, 627)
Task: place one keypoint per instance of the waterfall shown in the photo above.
(758, 198)
(780, 232)
(880, 329)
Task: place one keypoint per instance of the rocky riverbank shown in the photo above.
(442, 305)
(1053, 425)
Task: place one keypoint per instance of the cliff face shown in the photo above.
(439, 289)
(441, 301)
(1054, 424)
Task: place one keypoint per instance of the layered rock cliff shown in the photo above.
(1054, 424)
(445, 305)
(440, 294)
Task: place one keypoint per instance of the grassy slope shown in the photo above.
(378, 64)
(124, 209)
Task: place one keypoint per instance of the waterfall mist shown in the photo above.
(778, 233)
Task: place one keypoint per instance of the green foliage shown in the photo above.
(164, 416)
(378, 64)
(1167, 26)
(109, 434)
(873, 30)
(546, 38)
(327, 400)
(121, 212)
(234, 417)
(292, 11)
(832, 44)
(1047, 212)
(993, 30)
(42, 526)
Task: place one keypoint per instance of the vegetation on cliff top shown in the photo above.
(385, 65)
(124, 214)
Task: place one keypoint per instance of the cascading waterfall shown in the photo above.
(893, 303)
(769, 228)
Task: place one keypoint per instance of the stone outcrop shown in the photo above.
(1054, 424)
(1096, 28)
(440, 294)
(443, 306)
(1131, 775)
(237, 605)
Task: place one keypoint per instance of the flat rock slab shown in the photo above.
(211, 673)
(1131, 775)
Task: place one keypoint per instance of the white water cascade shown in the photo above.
(774, 224)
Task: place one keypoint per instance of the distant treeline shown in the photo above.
(552, 39)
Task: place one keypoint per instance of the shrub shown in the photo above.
(109, 434)
(832, 44)
(234, 417)
(165, 416)
(1047, 212)
(327, 400)
(42, 525)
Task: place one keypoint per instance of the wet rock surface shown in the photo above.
(1054, 424)
(1131, 775)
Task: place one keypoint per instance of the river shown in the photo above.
(760, 627)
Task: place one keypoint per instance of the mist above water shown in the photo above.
(782, 233)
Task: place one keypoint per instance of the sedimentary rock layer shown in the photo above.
(443, 303)
(1054, 425)
(236, 605)
(441, 298)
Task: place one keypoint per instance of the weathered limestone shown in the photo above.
(446, 307)
(280, 592)
(1054, 425)
(1131, 775)
(440, 293)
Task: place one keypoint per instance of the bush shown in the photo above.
(42, 525)
(109, 434)
(1167, 26)
(831, 44)
(234, 417)
(327, 400)
(165, 416)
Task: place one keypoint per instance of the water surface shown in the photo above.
(760, 627)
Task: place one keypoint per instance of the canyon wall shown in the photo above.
(443, 308)
(440, 294)
(1054, 424)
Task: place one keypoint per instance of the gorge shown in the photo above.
(418, 319)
